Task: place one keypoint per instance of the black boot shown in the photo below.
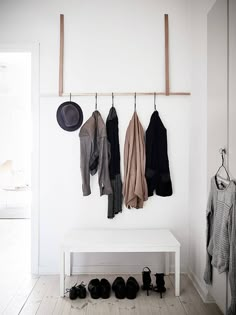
(72, 292)
(81, 290)
(147, 281)
(160, 283)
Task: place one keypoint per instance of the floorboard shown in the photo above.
(16, 283)
(192, 301)
(44, 299)
(20, 297)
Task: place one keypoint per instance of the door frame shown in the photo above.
(34, 49)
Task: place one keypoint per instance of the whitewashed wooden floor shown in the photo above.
(22, 294)
(41, 296)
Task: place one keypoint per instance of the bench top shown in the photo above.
(120, 240)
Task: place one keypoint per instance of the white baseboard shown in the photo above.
(15, 213)
(104, 269)
(114, 269)
(201, 288)
(47, 271)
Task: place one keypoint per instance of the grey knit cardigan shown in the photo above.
(221, 235)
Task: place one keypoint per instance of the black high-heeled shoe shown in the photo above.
(118, 287)
(147, 281)
(160, 284)
(132, 288)
(81, 290)
(94, 288)
(105, 289)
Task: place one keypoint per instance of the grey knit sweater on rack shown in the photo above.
(221, 235)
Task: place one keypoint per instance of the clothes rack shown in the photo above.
(167, 78)
(120, 93)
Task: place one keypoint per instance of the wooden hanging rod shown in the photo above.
(61, 56)
(167, 54)
(167, 79)
(122, 93)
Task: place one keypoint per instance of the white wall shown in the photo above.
(198, 144)
(221, 107)
(232, 91)
(217, 113)
(109, 46)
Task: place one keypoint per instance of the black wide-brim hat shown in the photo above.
(69, 116)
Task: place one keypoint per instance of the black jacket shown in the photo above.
(115, 199)
(157, 163)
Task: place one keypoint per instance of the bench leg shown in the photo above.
(68, 263)
(62, 274)
(177, 272)
(167, 263)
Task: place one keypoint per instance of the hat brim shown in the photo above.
(61, 121)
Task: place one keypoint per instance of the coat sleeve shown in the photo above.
(85, 152)
(141, 184)
(232, 258)
(103, 168)
(150, 171)
(126, 155)
(164, 187)
(209, 216)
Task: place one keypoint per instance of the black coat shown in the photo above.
(157, 163)
(114, 200)
(113, 138)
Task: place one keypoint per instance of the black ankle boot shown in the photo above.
(81, 290)
(160, 283)
(72, 292)
(147, 281)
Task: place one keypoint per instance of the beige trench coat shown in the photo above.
(135, 187)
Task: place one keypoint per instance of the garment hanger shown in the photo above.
(155, 106)
(112, 96)
(70, 97)
(135, 101)
(96, 101)
(221, 180)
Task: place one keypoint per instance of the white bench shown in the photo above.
(119, 240)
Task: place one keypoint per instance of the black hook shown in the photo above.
(135, 101)
(96, 101)
(112, 95)
(155, 106)
(70, 97)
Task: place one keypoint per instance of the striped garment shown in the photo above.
(221, 235)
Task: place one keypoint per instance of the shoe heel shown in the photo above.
(147, 281)
(160, 284)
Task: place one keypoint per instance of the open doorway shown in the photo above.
(15, 165)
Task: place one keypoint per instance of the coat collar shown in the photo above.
(112, 114)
